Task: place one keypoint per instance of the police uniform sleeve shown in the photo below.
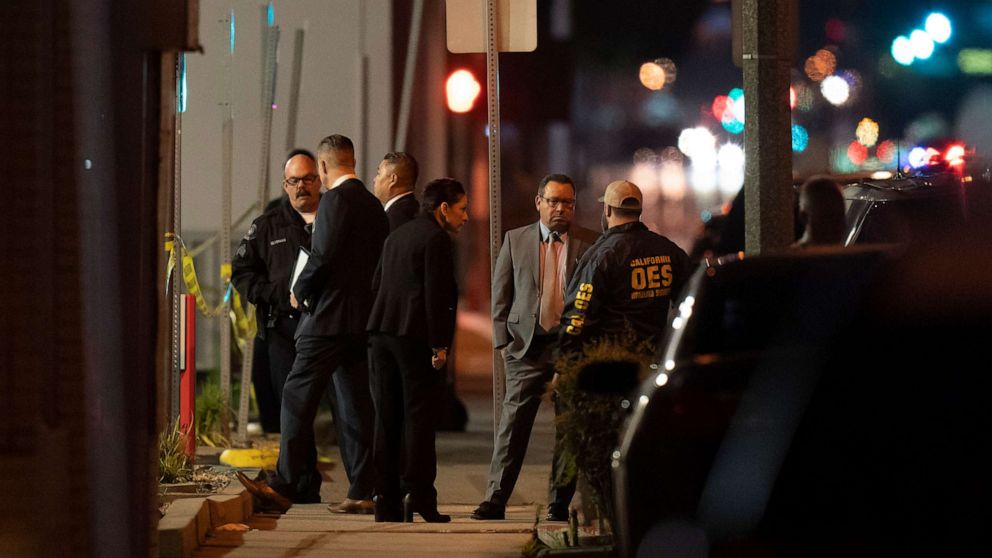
(249, 272)
(582, 300)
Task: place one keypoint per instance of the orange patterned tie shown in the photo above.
(551, 289)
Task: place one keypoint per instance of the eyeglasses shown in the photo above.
(309, 180)
(565, 204)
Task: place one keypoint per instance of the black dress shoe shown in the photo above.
(429, 513)
(387, 509)
(489, 510)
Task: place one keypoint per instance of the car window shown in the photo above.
(912, 220)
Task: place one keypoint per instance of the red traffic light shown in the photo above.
(462, 89)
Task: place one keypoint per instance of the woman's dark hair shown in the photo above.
(438, 191)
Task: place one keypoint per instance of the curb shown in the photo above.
(188, 520)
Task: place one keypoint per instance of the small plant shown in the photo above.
(173, 463)
(210, 407)
(590, 422)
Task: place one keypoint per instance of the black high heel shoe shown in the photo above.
(386, 509)
(430, 515)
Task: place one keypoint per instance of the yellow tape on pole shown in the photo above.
(242, 321)
(244, 326)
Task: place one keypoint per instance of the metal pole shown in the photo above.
(227, 181)
(270, 41)
(247, 358)
(362, 83)
(293, 110)
(492, 91)
(270, 37)
(412, 44)
(177, 215)
(768, 212)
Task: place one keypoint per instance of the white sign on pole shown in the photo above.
(466, 25)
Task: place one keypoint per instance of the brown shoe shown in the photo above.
(264, 498)
(354, 506)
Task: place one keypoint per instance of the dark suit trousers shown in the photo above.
(407, 393)
(526, 381)
(320, 360)
(272, 360)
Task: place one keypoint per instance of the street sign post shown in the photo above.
(492, 26)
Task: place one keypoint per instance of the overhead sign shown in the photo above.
(466, 25)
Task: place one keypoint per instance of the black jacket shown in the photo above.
(348, 234)
(416, 292)
(264, 262)
(402, 211)
(628, 279)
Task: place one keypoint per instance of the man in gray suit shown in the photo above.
(532, 271)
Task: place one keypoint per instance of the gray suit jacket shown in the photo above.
(516, 284)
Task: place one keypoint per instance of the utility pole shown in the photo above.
(768, 39)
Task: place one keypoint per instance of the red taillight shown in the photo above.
(955, 155)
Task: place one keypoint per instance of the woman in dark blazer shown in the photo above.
(411, 327)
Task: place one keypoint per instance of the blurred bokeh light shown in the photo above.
(938, 27)
(867, 132)
(835, 90)
(820, 65)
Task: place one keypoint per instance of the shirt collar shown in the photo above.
(393, 200)
(341, 179)
(545, 231)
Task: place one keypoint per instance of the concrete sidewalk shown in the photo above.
(463, 464)
(463, 467)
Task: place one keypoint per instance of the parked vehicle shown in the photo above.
(799, 409)
(903, 209)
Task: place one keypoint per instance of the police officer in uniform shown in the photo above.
(261, 271)
(626, 281)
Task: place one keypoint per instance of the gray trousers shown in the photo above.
(526, 380)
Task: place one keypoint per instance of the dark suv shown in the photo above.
(904, 209)
(812, 404)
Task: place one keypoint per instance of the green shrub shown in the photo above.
(173, 463)
(590, 422)
(210, 407)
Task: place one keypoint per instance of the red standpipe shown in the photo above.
(187, 382)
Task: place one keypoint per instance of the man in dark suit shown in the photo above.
(411, 326)
(534, 265)
(333, 292)
(393, 184)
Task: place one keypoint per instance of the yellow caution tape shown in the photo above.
(193, 286)
(252, 457)
(245, 327)
(242, 321)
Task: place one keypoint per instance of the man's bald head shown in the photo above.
(302, 183)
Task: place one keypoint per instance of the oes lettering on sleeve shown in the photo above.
(583, 297)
